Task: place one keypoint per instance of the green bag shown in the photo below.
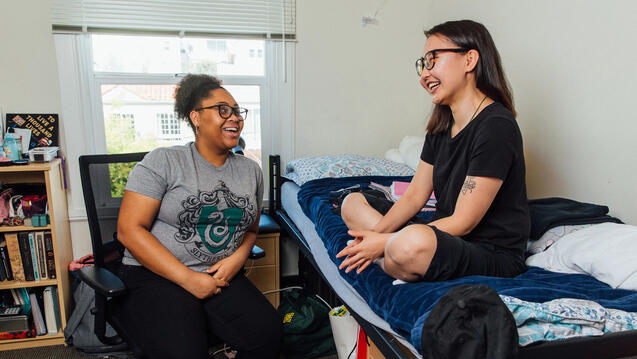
(306, 326)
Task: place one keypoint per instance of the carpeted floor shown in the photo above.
(63, 352)
(51, 352)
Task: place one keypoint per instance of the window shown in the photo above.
(149, 99)
(173, 55)
(168, 125)
(125, 86)
(126, 119)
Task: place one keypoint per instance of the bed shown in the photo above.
(394, 330)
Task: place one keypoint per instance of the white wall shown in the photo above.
(29, 76)
(571, 65)
(28, 70)
(356, 87)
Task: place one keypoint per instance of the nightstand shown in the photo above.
(264, 272)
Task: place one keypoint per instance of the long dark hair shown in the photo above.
(490, 78)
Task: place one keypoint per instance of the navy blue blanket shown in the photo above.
(405, 307)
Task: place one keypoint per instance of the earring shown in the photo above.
(196, 130)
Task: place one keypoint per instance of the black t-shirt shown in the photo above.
(489, 146)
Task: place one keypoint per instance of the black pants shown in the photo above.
(165, 321)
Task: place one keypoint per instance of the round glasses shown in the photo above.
(429, 60)
(226, 111)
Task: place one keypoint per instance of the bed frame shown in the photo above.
(615, 345)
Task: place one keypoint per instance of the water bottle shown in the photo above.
(10, 147)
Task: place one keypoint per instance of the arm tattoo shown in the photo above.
(468, 185)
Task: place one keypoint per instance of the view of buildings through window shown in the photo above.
(138, 116)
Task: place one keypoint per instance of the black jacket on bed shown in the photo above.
(547, 213)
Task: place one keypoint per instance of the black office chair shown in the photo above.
(103, 180)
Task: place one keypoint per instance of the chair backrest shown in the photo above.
(103, 181)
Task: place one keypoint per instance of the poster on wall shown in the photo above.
(44, 127)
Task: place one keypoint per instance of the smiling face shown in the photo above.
(214, 131)
(447, 76)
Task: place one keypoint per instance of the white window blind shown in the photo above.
(272, 19)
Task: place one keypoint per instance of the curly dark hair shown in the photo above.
(189, 93)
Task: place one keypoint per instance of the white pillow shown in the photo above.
(605, 251)
(551, 236)
(409, 149)
(393, 154)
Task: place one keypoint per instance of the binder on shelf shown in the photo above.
(38, 318)
(15, 256)
(50, 256)
(6, 261)
(25, 252)
(34, 256)
(26, 301)
(51, 310)
(39, 243)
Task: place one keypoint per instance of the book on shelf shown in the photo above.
(6, 299)
(38, 317)
(15, 256)
(16, 327)
(50, 256)
(51, 309)
(20, 334)
(25, 253)
(6, 262)
(3, 270)
(21, 297)
(39, 242)
(16, 297)
(34, 256)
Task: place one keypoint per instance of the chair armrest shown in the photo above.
(102, 281)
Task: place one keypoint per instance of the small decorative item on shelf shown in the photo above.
(40, 220)
(43, 154)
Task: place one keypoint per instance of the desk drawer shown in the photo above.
(269, 243)
(265, 279)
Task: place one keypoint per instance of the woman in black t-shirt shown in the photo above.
(472, 160)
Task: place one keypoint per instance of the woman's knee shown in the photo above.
(350, 208)
(409, 252)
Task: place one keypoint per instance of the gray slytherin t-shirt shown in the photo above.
(205, 210)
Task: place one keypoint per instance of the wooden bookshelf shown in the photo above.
(23, 229)
(50, 174)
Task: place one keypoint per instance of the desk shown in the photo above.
(264, 272)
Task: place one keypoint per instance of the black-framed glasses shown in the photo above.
(429, 60)
(226, 111)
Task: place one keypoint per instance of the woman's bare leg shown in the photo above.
(408, 253)
(358, 214)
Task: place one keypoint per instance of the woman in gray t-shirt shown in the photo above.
(189, 219)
